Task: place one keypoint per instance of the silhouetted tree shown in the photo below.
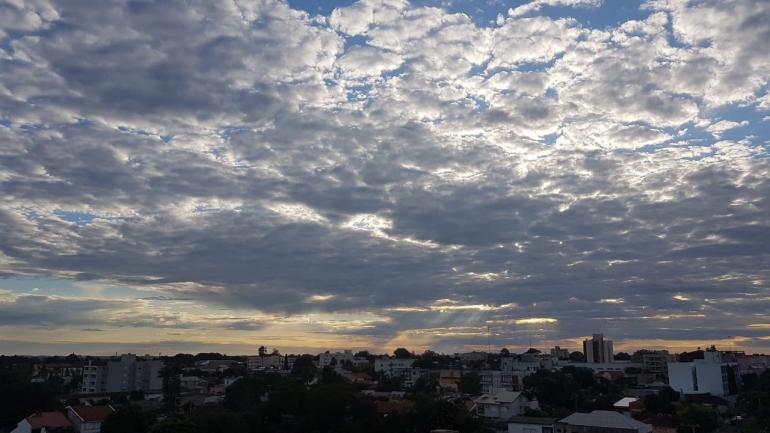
(402, 353)
(469, 383)
(577, 356)
(127, 419)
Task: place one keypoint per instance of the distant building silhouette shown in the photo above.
(598, 350)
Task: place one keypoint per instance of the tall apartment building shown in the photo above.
(124, 375)
(598, 350)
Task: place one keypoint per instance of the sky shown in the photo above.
(190, 176)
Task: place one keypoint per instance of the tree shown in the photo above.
(402, 353)
(669, 393)
(577, 357)
(289, 396)
(329, 376)
(262, 351)
(72, 358)
(244, 394)
(553, 389)
(505, 352)
(700, 415)
(219, 421)
(303, 367)
(173, 425)
(584, 377)
(691, 356)
(333, 362)
(532, 351)
(172, 384)
(275, 352)
(127, 419)
(470, 383)
(622, 356)
(327, 408)
(658, 405)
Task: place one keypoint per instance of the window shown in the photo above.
(528, 430)
(547, 430)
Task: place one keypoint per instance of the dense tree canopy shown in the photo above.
(402, 353)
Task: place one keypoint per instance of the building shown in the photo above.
(267, 361)
(598, 350)
(604, 421)
(341, 358)
(213, 365)
(94, 377)
(528, 424)
(495, 380)
(503, 405)
(392, 366)
(705, 376)
(124, 375)
(619, 366)
(655, 361)
(467, 358)
(559, 353)
(44, 422)
(88, 419)
(629, 406)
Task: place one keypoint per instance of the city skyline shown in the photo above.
(197, 177)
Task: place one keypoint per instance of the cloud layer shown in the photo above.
(405, 174)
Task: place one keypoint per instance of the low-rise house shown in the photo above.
(629, 406)
(44, 422)
(213, 365)
(530, 424)
(193, 384)
(385, 408)
(604, 421)
(88, 419)
(503, 404)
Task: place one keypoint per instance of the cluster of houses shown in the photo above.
(717, 375)
(75, 419)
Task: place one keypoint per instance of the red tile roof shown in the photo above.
(48, 420)
(92, 413)
(386, 407)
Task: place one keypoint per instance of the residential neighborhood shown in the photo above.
(553, 391)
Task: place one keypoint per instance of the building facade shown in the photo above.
(341, 358)
(598, 350)
(710, 375)
(559, 353)
(123, 375)
(392, 366)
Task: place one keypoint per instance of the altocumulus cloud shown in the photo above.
(405, 174)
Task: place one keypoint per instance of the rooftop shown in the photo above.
(92, 413)
(48, 420)
(605, 419)
(531, 420)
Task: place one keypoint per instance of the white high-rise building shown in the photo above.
(598, 350)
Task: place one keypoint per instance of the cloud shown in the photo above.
(384, 173)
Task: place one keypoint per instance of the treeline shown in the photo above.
(267, 402)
